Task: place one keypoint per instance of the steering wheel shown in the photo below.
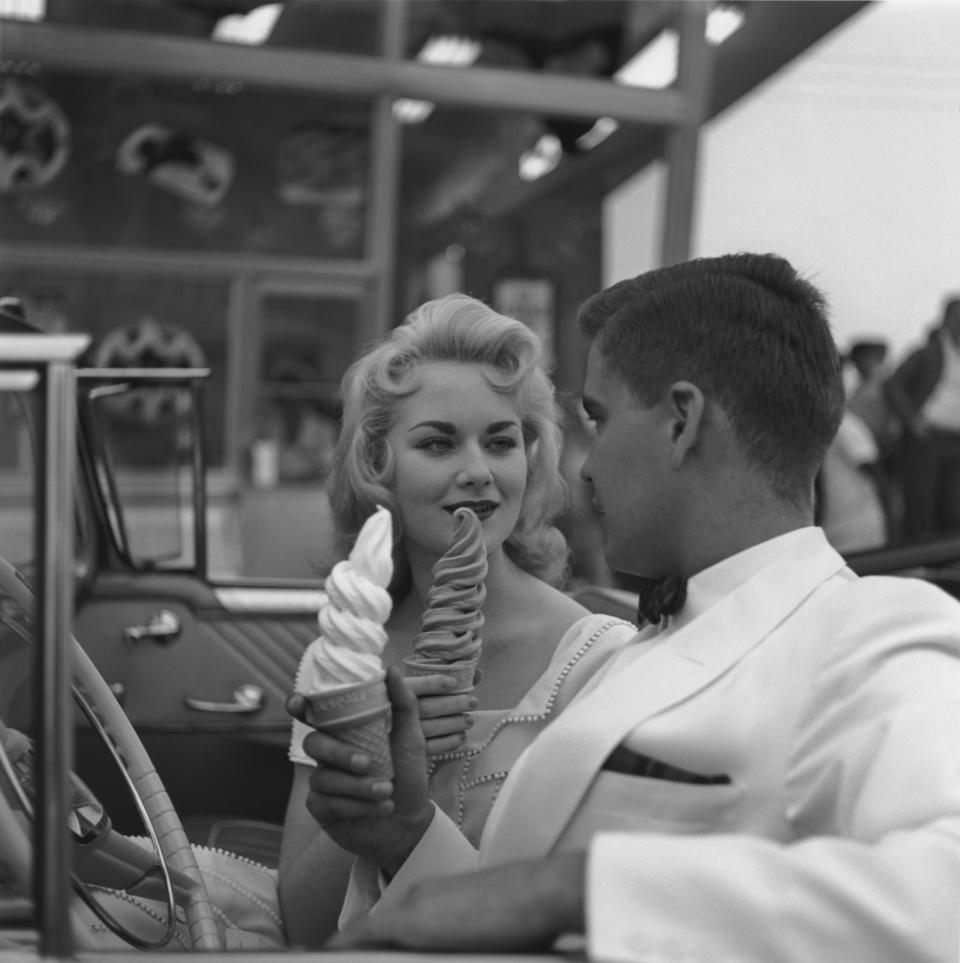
(173, 856)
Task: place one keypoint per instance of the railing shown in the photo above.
(51, 359)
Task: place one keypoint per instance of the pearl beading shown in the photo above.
(148, 909)
(469, 754)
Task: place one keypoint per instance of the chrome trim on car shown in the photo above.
(236, 599)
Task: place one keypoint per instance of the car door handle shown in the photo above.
(162, 626)
(246, 699)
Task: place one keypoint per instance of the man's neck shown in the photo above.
(730, 535)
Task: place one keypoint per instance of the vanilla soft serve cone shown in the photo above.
(351, 697)
(449, 640)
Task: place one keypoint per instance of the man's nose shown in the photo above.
(586, 472)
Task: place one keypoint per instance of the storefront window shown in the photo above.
(160, 165)
(138, 321)
(307, 342)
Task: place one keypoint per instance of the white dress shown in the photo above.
(464, 783)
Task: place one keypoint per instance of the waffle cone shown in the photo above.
(464, 673)
(358, 714)
(373, 739)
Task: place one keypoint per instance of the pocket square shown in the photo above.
(636, 764)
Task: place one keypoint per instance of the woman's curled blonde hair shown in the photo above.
(453, 328)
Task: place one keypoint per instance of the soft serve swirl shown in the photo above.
(351, 621)
(450, 625)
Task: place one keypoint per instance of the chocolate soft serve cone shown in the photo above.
(351, 698)
(449, 639)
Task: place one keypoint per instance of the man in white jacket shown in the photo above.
(771, 774)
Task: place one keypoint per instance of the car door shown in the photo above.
(201, 669)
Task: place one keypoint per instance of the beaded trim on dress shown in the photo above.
(468, 754)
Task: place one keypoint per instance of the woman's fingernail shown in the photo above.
(469, 721)
(359, 761)
(449, 682)
(382, 789)
(473, 703)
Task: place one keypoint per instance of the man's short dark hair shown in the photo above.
(751, 334)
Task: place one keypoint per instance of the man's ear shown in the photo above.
(686, 406)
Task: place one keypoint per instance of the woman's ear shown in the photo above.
(686, 408)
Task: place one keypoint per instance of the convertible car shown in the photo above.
(126, 668)
(176, 717)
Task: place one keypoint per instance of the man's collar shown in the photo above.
(709, 586)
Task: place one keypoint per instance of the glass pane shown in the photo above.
(211, 166)
(138, 321)
(307, 344)
(147, 436)
(18, 422)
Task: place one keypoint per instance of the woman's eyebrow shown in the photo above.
(448, 428)
(443, 426)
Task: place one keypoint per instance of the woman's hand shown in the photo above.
(379, 819)
(444, 717)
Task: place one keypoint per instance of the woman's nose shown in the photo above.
(474, 470)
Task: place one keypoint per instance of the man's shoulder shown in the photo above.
(893, 636)
(888, 606)
(900, 586)
(893, 590)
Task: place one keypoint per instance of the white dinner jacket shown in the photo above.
(562, 764)
(832, 702)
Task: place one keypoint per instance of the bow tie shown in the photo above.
(659, 597)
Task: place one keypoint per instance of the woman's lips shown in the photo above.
(483, 510)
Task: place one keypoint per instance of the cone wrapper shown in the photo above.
(465, 673)
(358, 714)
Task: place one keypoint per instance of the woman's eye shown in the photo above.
(503, 443)
(435, 444)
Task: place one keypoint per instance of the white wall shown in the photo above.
(847, 163)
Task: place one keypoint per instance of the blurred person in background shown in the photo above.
(867, 366)
(850, 508)
(924, 391)
(855, 503)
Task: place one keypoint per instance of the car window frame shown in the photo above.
(100, 479)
